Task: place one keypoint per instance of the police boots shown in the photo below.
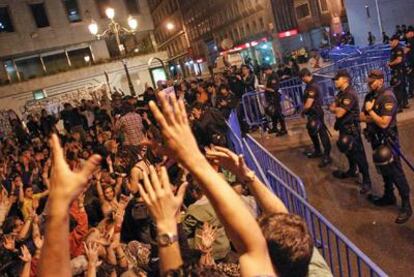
(405, 213)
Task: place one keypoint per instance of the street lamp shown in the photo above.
(170, 26)
(114, 28)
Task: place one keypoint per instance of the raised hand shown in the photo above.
(91, 251)
(9, 243)
(25, 256)
(159, 198)
(207, 238)
(230, 161)
(175, 128)
(65, 184)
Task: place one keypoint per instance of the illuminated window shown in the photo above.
(6, 24)
(72, 10)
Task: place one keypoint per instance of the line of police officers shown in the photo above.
(379, 112)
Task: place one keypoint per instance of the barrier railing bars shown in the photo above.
(336, 248)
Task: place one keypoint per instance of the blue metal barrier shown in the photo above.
(269, 162)
(254, 105)
(290, 82)
(343, 257)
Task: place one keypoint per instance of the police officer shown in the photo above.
(409, 57)
(380, 114)
(312, 109)
(346, 110)
(273, 99)
(397, 72)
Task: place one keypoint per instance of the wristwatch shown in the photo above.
(166, 239)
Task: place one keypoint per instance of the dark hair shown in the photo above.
(304, 72)
(221, 87)
(198, 106)
(195, 270)
(289, 243)
(127, 108)
(8, 224)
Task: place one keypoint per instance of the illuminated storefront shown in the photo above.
(256, 50)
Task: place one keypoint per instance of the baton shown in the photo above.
(399, 153)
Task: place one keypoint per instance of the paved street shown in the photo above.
(372, 229)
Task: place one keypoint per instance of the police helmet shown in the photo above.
(383, 155)
(345, 143)
(313, 126)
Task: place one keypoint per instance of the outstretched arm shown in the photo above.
(267, 200)
(240, 225)
(65, 186)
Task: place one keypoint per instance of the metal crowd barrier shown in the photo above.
(343, 257)
(269, 163)
(290, 82)
(254, 105)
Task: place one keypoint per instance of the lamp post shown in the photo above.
(114, 28)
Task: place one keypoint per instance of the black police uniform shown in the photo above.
(410, 66)
(350, 141)
(392, 172)
(273, 99)
(316, 126)
(398, 77)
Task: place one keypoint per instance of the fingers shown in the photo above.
(57, 151)
(166, 108)
(224, 150)
(176, 108)
(242, 162)
(148, 188)
(165, 180)
(181, 192)
(143, 194)
(182, 113)
(155, 182)
(91, 165)
(159, 117)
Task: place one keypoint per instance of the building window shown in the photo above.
(261, 22)
(30, 67)
(302, 11)
(80, 57)
(55, 63)
(132, 6)
(102, 5)
(72, 10)
(6, 24)
(324, 5)
(11, 71)
(40, 15)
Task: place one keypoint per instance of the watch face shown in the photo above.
(164, 239)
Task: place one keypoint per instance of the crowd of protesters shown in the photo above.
(144, 187)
